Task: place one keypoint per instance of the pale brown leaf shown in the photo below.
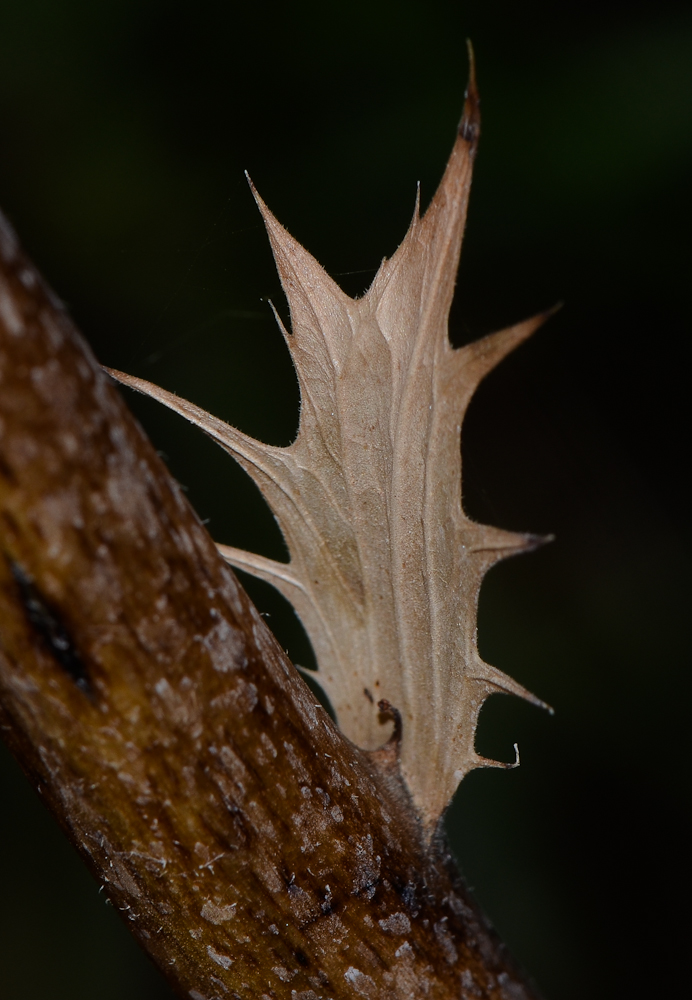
(385, 568)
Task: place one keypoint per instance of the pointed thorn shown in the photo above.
(470, 124)
(504, 684)
(539, 703)
(480, 357)
(533, 542)
(256, 195)
(547, 313)
(514, 544)
(280, 323)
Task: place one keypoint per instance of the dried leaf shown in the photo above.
(385, 568)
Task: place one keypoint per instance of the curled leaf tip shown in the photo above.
(387, 758)
(502, 765)
(388, 711)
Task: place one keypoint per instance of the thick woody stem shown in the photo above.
(252, 850)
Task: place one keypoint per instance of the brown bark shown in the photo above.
(252, 849)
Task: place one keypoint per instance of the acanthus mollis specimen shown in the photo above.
(385, 567)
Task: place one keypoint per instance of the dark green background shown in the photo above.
(124, 131)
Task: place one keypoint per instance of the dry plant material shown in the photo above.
(251, 848)
(385, 567)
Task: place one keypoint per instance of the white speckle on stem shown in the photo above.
(284, 975)
(445, 939)
(361, 983)
(223, 960)
(218, 914)
(397, 923)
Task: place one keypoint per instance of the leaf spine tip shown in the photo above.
(533, 542)
(470, 124)
(547, 313)
(280, 323)
(494, 545)
(270, 221)
(496, 681)
(416, 207)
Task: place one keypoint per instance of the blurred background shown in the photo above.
(125, 127)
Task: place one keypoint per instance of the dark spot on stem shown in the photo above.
(5, 471)
(46, 622)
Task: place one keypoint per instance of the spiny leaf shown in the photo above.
(385, 568)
